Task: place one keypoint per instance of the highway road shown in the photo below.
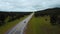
(19, 28)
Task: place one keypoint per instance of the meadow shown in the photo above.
(41, 25)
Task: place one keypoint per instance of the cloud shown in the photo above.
(27, 5)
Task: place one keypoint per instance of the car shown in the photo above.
(24, 21)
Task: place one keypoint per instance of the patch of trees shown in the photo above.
(54, 14)
(2, 17)
(12, 16)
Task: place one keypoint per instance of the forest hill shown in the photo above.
(12, 16)
(54, 14)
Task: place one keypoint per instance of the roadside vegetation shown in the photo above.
(45, 22)
(9, 25)
(41, 25)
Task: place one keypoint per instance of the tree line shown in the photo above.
(12, 16)
(54, 14)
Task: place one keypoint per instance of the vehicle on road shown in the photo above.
(24, 21)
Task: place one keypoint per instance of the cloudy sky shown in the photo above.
(27, 5)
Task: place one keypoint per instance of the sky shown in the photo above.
(27, 5)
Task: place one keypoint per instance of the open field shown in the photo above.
(41, 25)
(7, 26)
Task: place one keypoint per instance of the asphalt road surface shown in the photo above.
(19, 28)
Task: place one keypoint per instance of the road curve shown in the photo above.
(19, 28)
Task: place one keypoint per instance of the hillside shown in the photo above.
(49, 11)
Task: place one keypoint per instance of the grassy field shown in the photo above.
(41, 25)
(7, 26)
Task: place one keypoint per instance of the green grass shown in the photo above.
(40, 26)
(9, 25)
